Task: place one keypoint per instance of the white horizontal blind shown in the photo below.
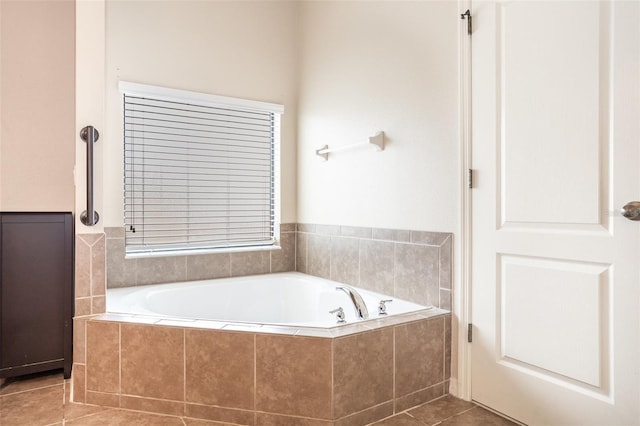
(197, 176)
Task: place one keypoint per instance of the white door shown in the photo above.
(556, 154)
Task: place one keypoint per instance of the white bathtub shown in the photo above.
(290, 298)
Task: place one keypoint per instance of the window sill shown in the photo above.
(174, 253)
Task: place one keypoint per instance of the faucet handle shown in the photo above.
(382, 307)
(339, 314)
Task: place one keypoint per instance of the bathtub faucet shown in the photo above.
(358, 302)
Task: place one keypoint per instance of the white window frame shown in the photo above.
(209, 100)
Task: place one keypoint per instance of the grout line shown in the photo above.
(119, 363)
(186, 269)
(91, 276)
(393, 367)
(359, 279)
(444, 350)
(330, 244)
(333, 408)
(439, 272)
(105, 409)
(395, 247)
(306, 254)
(84, 390)
(255, 371)
(184, 371)
(295, 250)
(29, 390)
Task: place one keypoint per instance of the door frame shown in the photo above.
(461, 350)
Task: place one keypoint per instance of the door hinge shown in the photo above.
(467, 15)
(469, 178)
(470, 333)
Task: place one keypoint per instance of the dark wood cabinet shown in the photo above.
(36, 292)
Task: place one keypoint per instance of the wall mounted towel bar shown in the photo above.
(90, 135)
(377, 141)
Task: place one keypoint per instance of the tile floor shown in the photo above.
(42, 400)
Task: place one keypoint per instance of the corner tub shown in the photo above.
(262, 350)
(286, 299)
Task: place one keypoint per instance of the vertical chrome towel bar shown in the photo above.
(90, 135)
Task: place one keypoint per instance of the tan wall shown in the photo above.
(37, 106)
(382, 66)
(238, 49)
(370, 66)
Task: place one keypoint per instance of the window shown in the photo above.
(201, 172)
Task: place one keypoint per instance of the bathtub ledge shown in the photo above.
(331, 333)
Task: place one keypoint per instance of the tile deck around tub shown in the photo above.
(331, 332)
(41, 400)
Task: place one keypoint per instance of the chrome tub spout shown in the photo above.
(358, 303)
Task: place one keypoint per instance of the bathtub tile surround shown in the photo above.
(293, 376)
(253, 377)
(414, 343)
(345, 252)
(362, 377)
(371, 258)
(157, 374)
(219, 369)
(103, 361)
(411, 265)
(284, 260)
(90, 298)
(416, 274)
(204, 266)
(250, 263)
(152, 270)
(123, 272)
(301, 251)
(90, 274)
(319, 256)
(377, 266)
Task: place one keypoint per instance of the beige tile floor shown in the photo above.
(43, 400)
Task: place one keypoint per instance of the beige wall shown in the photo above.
(37, 107)
(238, 49)
(363, 67)
(370, 66)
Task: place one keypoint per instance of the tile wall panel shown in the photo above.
(319, 255)
(219, 368)
(103, 362)
(416, 342)
(416, 276)
(121, 272)
(209, 374)
(152, 361)
(250, 263)
(377, 266)
(284, 260)
(363, 377)
(293, 376)
(345, 260)
(411, 265)
(207, 266)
